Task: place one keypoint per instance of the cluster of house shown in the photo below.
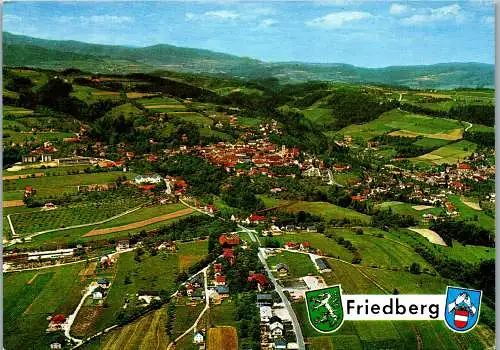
(41, 154)
(276, 328)
(174, 185)
(101, 289)
(259, 155)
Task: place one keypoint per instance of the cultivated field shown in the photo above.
(37, 220)
(222, 338)
(146, 333)
(139, 224)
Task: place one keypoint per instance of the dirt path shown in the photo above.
(139, 224)
(32, 279)
(14, 203)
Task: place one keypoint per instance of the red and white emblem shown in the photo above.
(461, 318)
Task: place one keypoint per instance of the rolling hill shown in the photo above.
(22, 50)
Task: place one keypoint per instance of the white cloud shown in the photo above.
(108, 19)
(446, 13)
(222, 14)
(338, 19)
(398, 9)
(489, 20)
(12, 18)
(334, 2)
(268, 22)
(102, 19)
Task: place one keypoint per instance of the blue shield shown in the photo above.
(462, 308)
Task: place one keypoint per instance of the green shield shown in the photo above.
(324, 308)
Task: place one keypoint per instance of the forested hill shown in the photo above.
(52, 54)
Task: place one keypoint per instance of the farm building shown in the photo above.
(51, 254)
(322, 265)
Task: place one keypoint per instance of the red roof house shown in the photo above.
(147, 187)
(217, 268)
(220, 280)
(305, 245)
(58, 319)
(254, 218)
(259, 279)
(229, 241)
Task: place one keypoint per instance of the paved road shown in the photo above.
(286, 302)
(250, 233)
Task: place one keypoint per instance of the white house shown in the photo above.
(56, 346)
(266, 312)
(276, 329)
(97, 295)
(198, 338)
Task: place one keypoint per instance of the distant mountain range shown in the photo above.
(27, 51)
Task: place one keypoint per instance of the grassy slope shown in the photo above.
(27, 305)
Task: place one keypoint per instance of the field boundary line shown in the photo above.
(11, 226)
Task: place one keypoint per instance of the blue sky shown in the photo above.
(368, 34)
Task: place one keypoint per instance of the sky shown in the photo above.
(362, 33)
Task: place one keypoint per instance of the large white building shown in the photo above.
(152, 179)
